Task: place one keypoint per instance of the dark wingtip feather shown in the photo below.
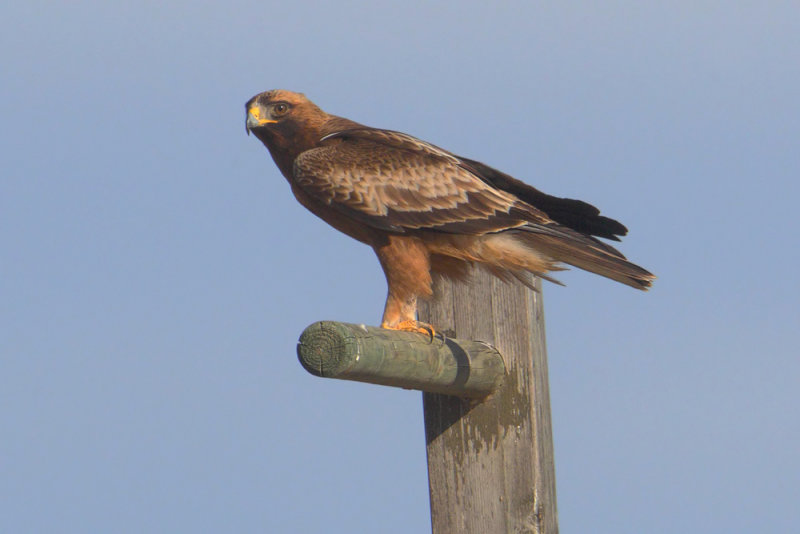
(576, 214)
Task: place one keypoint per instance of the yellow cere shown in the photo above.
(256, 113)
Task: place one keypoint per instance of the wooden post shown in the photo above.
(405, 359)
(490, 463)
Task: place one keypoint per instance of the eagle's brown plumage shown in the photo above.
(425, 210)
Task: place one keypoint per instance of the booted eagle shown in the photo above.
(425, 210)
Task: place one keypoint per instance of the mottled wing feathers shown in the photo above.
(395, 182)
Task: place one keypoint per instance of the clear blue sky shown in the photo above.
(155, 271)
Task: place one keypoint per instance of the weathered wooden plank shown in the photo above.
(490, 463)
(403, 359)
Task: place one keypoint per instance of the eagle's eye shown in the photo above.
(281, 108)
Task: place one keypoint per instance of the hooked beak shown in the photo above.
(255, 118)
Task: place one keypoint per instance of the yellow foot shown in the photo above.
(413, 326)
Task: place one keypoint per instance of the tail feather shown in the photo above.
(537, 249)
(589, 254)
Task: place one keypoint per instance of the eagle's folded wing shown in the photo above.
(395, 182)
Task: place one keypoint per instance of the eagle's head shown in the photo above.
(287, 123)
(281, 113)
